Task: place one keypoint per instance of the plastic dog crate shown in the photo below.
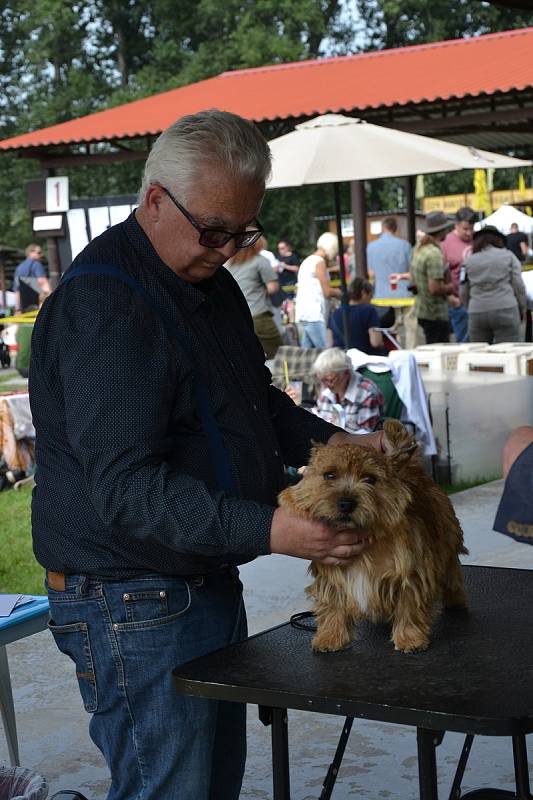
(503, 363)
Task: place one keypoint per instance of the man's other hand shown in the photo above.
(315, 541)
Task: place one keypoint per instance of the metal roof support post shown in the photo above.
(357, 189)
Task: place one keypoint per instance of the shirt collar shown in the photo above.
(351, 389)
(193, 295)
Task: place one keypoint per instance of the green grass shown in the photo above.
(19, 571)
(11, 381)
(461, 487)
(11, 388)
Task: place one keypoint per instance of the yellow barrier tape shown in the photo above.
(20, 319)
(395, 302)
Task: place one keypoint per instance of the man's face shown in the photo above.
(215, 201)
(283, 250)
(36, 254)
(464, 230)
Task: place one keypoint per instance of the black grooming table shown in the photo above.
(476, 678)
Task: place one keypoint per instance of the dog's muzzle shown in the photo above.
(346, 504)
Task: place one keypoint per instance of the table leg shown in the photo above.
(280, 754)
(521, 768)
(427, 741)
(8, 709)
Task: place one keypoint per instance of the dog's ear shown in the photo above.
(315, 447)
(401, 456)
(400, 445)
(397, 436)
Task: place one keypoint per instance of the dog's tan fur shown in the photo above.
(414, 558)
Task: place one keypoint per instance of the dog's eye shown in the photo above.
(371, 479)
(330, 476)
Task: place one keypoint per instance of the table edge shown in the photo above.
(432, 720)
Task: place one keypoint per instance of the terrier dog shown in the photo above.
(414, 558)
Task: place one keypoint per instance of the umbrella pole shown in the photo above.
(338, 220)
(410, 206)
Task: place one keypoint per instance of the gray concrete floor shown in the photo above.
(380, 760)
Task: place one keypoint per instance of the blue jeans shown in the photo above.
(313, 334)
(125, 637)
(459, 322)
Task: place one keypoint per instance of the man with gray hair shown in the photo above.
(161, 446)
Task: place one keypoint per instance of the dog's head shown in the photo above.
(349, 486)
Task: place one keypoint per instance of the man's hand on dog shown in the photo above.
(377, 440)
(311, 539)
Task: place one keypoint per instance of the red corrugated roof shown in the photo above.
(496, 62)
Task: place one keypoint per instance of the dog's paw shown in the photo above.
(325, 642)
(414, 643)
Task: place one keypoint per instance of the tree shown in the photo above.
(61, 60)
(387, 24)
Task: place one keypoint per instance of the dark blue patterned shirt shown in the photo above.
(125, 479)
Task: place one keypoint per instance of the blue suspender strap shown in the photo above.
(223, 471)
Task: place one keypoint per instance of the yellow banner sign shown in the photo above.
(449, 203)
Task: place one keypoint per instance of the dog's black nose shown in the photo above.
(346, 504)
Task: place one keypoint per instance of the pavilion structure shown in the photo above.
(476, 91)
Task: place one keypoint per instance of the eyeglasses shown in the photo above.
(218, 237)
(331, 377)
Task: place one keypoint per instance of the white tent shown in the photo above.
(503, 219)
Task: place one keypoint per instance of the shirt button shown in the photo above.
(162, 595)
(125, 597)
(255, 407)
(276, 453)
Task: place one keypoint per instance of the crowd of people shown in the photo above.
(455, 282)
(469, 281)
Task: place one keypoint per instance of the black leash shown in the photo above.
(296, 623)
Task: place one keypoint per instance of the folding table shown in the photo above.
(476, 678)
(23, 621)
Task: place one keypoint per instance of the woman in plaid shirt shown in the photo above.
(346, 398)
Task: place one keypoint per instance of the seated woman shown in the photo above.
(515, 512)
(363, 319)
(346, 398)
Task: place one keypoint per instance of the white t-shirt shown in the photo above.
(269, 255)
(310, 301)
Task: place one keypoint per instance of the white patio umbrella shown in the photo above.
(333, 148)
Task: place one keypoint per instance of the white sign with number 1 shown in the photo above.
(57, 194)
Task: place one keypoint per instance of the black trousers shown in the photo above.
(435, 330)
